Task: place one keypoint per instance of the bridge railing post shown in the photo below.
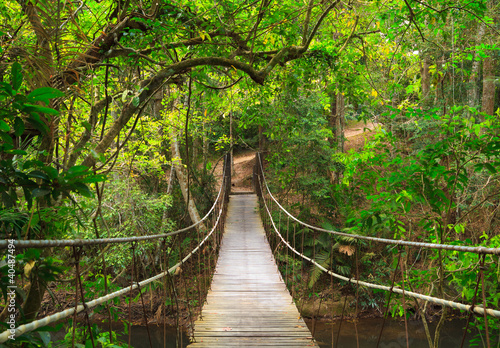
(227, 176)
(257, 175)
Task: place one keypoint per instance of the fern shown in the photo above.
(324, 259)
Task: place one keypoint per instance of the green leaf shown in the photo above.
(77, 169)
(87, 126)
(40, 192)
(4, 127)
(136, 101)
(94, 179)
(6, 138)
(37, 123)
(28, 197)
(6, 88)
(39, 175)
(55, 328)
(17, 76)
(82, 189)
(37, 108)
(51, 172)
(45, 336)
(17, 152)
(44, 94)
(18, 127)
(492, 169)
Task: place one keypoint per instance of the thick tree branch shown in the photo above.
(96, 52)
(150, 85)
(350, 35)
(412, 19)
(41, 34)
(306, 22)
(94, 112)
(318, 23)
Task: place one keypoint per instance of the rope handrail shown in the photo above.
(477, 250)
(442, 302)
(22, 329)
(46, 243)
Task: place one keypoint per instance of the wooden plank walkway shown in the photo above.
(248, 304)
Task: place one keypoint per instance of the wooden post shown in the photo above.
(227, 176)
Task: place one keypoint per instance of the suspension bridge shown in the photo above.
(248, 302)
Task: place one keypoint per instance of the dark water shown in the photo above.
(367, 333)
(368, 330)
(139, 337)
(393, 336)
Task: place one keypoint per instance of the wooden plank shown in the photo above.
(248, 304)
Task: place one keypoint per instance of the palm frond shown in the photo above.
(323, 259)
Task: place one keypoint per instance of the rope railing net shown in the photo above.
(219, 205)
(263, 189)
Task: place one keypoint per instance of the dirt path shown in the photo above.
(357, 133)
(241, 180)
(359, 128)
(244, 161)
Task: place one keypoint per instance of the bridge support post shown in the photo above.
(257, 175)
(227, 176)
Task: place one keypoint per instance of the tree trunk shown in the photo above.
(488, 102)
(181, 177)
(231, 142)
(472, 92)
(426, 80)
(336, 121)
(34, 298)
(261, 139)
(340, 126)
(332, 119)
(205, 145)
(439, 79)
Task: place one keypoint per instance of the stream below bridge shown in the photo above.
(368, 331)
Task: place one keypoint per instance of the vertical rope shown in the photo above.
(200, 272)
(288, 240)
(389, 300)
(302, 272)
(278, 241)
(314, 287)
(180, 294)
(294, 276)
(132, 247)
(77, 260)
(104, 267)
(341, 321)
(483, 286)
(87, 319)
(331, 284)
(206, 251)
(134, 265)
(357, 296)
(178, 340)
(163, 251)
(404, 303)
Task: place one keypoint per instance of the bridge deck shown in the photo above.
(248, 304)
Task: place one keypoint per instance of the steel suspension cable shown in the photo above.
(46, 243)
(477, 250)
(4, 336)
(442, 302)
